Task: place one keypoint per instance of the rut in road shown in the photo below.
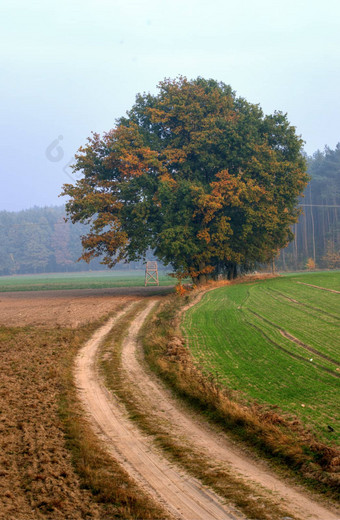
(156, 397)
(183, 496)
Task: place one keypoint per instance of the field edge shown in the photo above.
(289, 448)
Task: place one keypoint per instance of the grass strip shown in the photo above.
(89, 280)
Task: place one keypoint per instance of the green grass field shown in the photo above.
(277, 342)
(83, 280)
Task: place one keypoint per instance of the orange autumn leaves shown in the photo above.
(194, 173)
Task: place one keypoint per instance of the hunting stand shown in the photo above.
(151, 274)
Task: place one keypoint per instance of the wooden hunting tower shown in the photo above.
(151, 274)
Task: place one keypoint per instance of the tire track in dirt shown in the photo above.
(183, 496)
(297, 342)
(320, 288)
(300, 343)
(302, 304)
(197, 433)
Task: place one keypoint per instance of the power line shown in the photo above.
(321, 205)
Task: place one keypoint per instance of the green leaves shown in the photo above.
(200, 176)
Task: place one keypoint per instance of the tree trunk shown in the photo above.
(284, 260)
(232, 271)
(312, 221)
(202, 277)
(295, 246)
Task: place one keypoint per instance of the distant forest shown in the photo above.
(38, 240)
(317, 234)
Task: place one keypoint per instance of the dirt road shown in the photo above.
(184, 497)
(181, 495)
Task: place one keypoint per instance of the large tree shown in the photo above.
(201, 177)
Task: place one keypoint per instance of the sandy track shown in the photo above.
(184, 497)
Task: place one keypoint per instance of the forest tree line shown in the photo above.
(39, 240)
(316, 241)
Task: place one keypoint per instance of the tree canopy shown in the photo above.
(198, 175)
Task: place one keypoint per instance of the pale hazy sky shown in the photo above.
(72, 66)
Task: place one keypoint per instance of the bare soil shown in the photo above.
(37, 476)
(182, 495)
(37, 479)
(66, 308)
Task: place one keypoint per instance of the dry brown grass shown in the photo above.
(282, 441)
